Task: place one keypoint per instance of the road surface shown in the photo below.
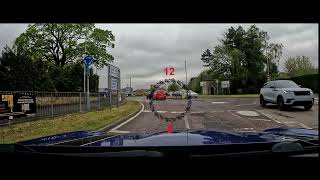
(221, 114)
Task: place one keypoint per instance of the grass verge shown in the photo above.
(230, 96)
(72, 122)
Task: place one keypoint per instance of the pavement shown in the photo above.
(220, 114)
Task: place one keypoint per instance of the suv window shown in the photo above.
(271, 84)
(266, 85)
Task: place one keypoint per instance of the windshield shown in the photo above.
(286, 84)
(155, 84)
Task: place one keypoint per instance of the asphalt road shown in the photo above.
(221, 114)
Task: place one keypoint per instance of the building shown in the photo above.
(141, 92)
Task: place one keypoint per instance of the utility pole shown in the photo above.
(185, 68)
(130, 82)
(84, 68)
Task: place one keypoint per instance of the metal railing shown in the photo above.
(50, 104)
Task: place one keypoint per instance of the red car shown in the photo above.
(160, 95)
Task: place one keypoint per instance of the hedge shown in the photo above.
(307, 81)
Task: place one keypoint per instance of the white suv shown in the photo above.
(286, 93)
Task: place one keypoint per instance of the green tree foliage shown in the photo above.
(20, 73)
(63, 44)
(242, 57)
(173, 87)
(48, 57)
(299, 65)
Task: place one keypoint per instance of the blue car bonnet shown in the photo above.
(179, 138)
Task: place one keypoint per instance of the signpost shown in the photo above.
(113, 82)
(225, 85)
(87, 60)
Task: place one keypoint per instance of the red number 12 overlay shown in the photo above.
(171, 71)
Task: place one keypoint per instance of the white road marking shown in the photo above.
(248, 131)
(122, 132)
(148, 111)
(245, 130)
(248, 113)
(260, 119)
(215, 111)
(277, 121)
(186, 122)
(196, 112)
(177, 112)
(219, 102)
(304, 126)
(234, 114)
(269, 116)
(117, 127)
(289, 122)
(243, 104)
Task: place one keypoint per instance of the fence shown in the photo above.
(50, 104)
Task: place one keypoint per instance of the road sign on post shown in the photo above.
(225, 85)
(113, 81)
(88, 60)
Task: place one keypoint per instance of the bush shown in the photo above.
(307, 81)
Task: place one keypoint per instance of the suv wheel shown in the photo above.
(280, 103)
(308, 107)
(262, 101)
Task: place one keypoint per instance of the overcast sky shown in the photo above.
(142, 51)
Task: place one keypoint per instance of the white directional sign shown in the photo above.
(225, 84)
(201, 83)
(114, 72)
(114, 84)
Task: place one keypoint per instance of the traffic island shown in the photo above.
(89, 121)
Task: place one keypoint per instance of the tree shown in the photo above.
(242, 57)
(63, 44)
(20, 73)
(299, 65)
(173, 87)
(205, 57)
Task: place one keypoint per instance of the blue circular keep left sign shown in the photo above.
(88, 60)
